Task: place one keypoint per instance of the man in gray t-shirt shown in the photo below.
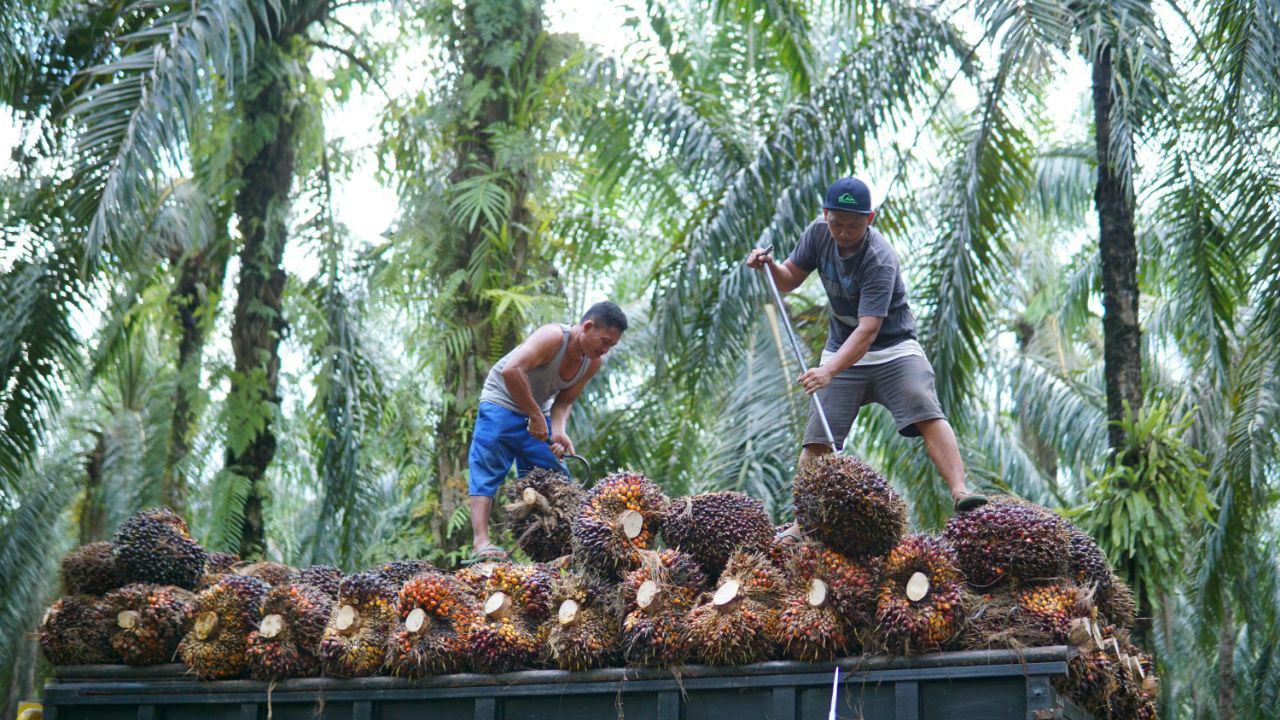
(871, 353)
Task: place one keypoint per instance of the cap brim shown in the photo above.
(837, 208)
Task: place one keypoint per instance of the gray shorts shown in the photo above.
(904, 386)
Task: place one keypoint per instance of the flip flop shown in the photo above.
(969, 501)
(488, 553)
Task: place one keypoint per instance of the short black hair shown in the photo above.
(608, 314)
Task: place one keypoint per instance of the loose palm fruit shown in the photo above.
(1009, 539)
(154, 546)
(711, 526)
(922, 599)
(541, 506)
(76, 630)
(433, 614)
(845, 504)
(619, 516)
(225, 614)
(150, 620)
(286, 642)
(92, 570)
(354, 641)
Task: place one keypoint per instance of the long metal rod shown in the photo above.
(795, 345)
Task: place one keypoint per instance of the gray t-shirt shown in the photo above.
(868, 282)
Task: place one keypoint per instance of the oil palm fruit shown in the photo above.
(620, 516)
(216, 565)
(656, 598)
(355, 638)
(324, 578)
(845, 504)
(76, 630)
(225, 614)
(711, 526)
(810, 629)
(584, 625)
(738, 623)
(433, 612)
(1008, 539)
(154, 546)
(1051, 606)
(149, 620)
(922, 600)
(272, 573)
(541, 506)
(508, 631)
(1118, 604)
(286, 642)
(1088, 564)
(400, 571)
(92, 570)
(850, 586)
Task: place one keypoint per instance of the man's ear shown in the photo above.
(587, 325)
(871, 217)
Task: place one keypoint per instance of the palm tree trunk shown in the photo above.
(262, 206)
(93, 509)
(464, 376)
(1113, 198)
(199, 285)
(1226, 663)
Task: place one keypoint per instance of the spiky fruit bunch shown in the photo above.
(1092, 681)
(225, 614)
(473, 578)
(541, 506)
(921, 604)
(851, 587)
(149, 621)
(286, 642)
(400, 571)
(215, 566)
(499, 645)
(810, 629)
(154, 546)
(1006, 539)
(583, 629)
(272, 573)
(844, 503)
(324, 578)
(1088, 564)
(1051, 606)
(711, 526)
(1118, 604)
(738, 623)
(355, 638)
(656, 598)
(508, 631)
(619, 516)
(434, 612)
(92, 570)
(76, 630)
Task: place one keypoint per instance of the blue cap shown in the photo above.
(849, 194)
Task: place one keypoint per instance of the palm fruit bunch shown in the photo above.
(216, 565)
(656, 598)
(76, 630)
(711, 526)
(1138, 686)
(324, 578)
(844, 503)
(1088, 565)
(155, 546)
(583, 629)
(738, 623)
(225, 614)
(473, 578)
(149, 621)
(922, 600)
(400, 571)
(1008, 538)
(1051, 606)
(619, 516)
(1093, 681)
(1118, 604)
(355, 638)
(272, 573)
(508, 632)
(286, 642)
(827, 598)
(541, 506)
(434, 613)
(92, 569)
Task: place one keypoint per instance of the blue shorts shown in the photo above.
(501, 437)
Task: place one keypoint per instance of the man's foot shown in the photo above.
(964, 502)
(789, 535)
(488, 552)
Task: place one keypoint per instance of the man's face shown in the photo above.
(598, 340)
(848, 228)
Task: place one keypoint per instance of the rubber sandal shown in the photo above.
(488, 553)
(969, 501)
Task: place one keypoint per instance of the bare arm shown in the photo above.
(788, 275)
(851, 351)
(563, 404)
(539, 349)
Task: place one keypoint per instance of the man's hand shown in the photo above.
(814, 379)
(538, 428)
(561, 445)
(757, 258)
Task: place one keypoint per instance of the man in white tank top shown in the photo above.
(524, 408)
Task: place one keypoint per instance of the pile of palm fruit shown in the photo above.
(625, 575)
